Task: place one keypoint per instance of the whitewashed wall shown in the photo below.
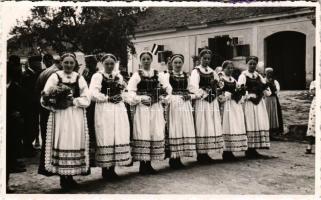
(187, 42)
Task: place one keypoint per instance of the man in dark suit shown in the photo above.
(48, 60)
(89, 71)
(44, 113)
(31, 109)
(14, 119)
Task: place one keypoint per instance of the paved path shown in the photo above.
(291, 173)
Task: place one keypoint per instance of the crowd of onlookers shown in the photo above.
(24, 85)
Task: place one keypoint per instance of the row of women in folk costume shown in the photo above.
(189, 135)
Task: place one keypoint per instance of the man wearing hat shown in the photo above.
(44, 113)
(31, 110)
(14, 119)
(89, 71)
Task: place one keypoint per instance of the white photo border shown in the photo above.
(3, 58)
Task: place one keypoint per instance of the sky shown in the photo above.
(12, 13)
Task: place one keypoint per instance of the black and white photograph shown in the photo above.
(161, 99)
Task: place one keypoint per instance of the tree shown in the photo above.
(86, 29)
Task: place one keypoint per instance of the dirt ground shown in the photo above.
(295, 107)
(291, 173)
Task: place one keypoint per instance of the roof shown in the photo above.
(162, 18)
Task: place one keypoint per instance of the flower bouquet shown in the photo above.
(58, 97)
(259, 93)
(213, 91)
(157, 93)
(240, 91)
(115, 92)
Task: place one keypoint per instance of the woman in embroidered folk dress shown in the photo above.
(311, 124)
(145, 89)
(111, 119)
(256, 117)
(234, 133)
(67, 141)
(203, 84)
(273, 105)
(181, 139)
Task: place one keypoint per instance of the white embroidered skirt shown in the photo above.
(112, 135)
(208, 125)
(181, 128)
(67, 142)
(257, 125)
(148, 133)
(234, 132)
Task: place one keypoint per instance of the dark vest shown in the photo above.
(253, 85)
(229, 86)
(147, 85)
(74, 86)
(109, 85)
(207, 81)
(179, 84)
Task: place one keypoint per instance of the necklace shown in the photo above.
(68, 75)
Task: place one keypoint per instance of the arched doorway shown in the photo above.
(285, 53)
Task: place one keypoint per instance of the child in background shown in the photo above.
(311, 125)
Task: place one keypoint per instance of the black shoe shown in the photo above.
(176, 163)
(308, 151)
(72, 183)
(204, 159)
(17, 164)
(104, 172)
(21, 164)
(253, 154)
(200, 159)
(109, 174)
(173, 163)
(142, 168)
(64, 184)
(150, 169)
(146, 168)
(10, 190)
(229, 156)
(30, 152)
(17, 170)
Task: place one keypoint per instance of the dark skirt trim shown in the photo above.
(147, 150)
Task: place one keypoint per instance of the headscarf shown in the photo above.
(268, 69)
(249, 58)
(145, 52)
(205, 51)
(177, 56)
(73, 56)
(226, 63)
(108, 55)
(65, 55)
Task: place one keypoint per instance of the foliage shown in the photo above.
(86, 29)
